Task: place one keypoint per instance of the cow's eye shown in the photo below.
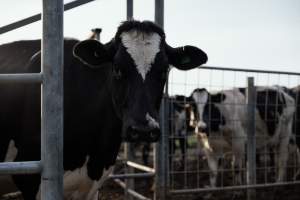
(117, 74)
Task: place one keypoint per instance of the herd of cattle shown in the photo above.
(219, 120)
(112, 92)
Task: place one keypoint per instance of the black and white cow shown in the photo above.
(112, 92)
(295, 93)
(181, 119)
(222, 126)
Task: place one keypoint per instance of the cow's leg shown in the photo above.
(145, 153)
(282, 158)
(212, 159)
(212, 162)
(183, 146)
(283, 150)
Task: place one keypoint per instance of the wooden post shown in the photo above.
(52, 101)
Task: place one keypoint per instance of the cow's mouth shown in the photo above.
(141, 134)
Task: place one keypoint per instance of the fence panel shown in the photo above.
(189, 170)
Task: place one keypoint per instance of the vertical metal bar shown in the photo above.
(52, 101)
(162, 153)
(129, 183)
(251, 139)
(159, 20)
(129, 9)
(161, 150)
(159, 12)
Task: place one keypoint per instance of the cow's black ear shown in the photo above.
(187, 57)
(92, 53)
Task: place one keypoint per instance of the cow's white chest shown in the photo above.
(78, 185)
(142, 47)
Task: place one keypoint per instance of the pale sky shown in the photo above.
(260, 34)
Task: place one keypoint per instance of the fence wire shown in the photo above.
(188, 166)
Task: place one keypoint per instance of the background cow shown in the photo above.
(222, 126)
(112, 92)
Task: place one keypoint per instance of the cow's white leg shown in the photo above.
(297, 164)
(282, 158)
(282, 161)
(238, 149)
(212, 161)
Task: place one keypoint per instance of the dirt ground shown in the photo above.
(194, 177)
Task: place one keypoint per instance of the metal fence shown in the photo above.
(189, 173)
(50, 166)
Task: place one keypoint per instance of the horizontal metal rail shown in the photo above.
(248, 70)
(228, 188)
(140, 167)
(28, 167)
(37, 17)
(131, 192)
(22, 78)
(127, 176)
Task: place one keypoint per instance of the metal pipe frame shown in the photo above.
(131, 192)
(28, 167)
(229, 188)
(140, 167)
(22, 78)
(52, 101)
(37, 17)
(131, 176)
(248, 70)
(251, 139)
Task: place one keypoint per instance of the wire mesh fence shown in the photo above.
(208, 151)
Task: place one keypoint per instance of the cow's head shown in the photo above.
(140, 59)
(209, 115)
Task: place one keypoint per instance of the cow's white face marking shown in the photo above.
(142, 47)
(200, 99)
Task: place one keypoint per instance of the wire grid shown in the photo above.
(190, 171)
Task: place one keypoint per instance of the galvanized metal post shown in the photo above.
(159, 12)
(161, 150)
(52, 101)
(251, 139)
(129, 9)
(129, 183)
(161, 153)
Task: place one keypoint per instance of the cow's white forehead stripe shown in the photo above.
(142, 47)
(200, 99)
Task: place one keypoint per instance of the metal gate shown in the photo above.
(51, 77)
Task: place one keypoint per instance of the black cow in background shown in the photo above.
(112, 92)
(182, 113)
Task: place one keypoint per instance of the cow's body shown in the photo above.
(111, 91)
(295, 93)
(222, 126)
(85, 100)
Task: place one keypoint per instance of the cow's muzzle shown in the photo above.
(142, 134)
